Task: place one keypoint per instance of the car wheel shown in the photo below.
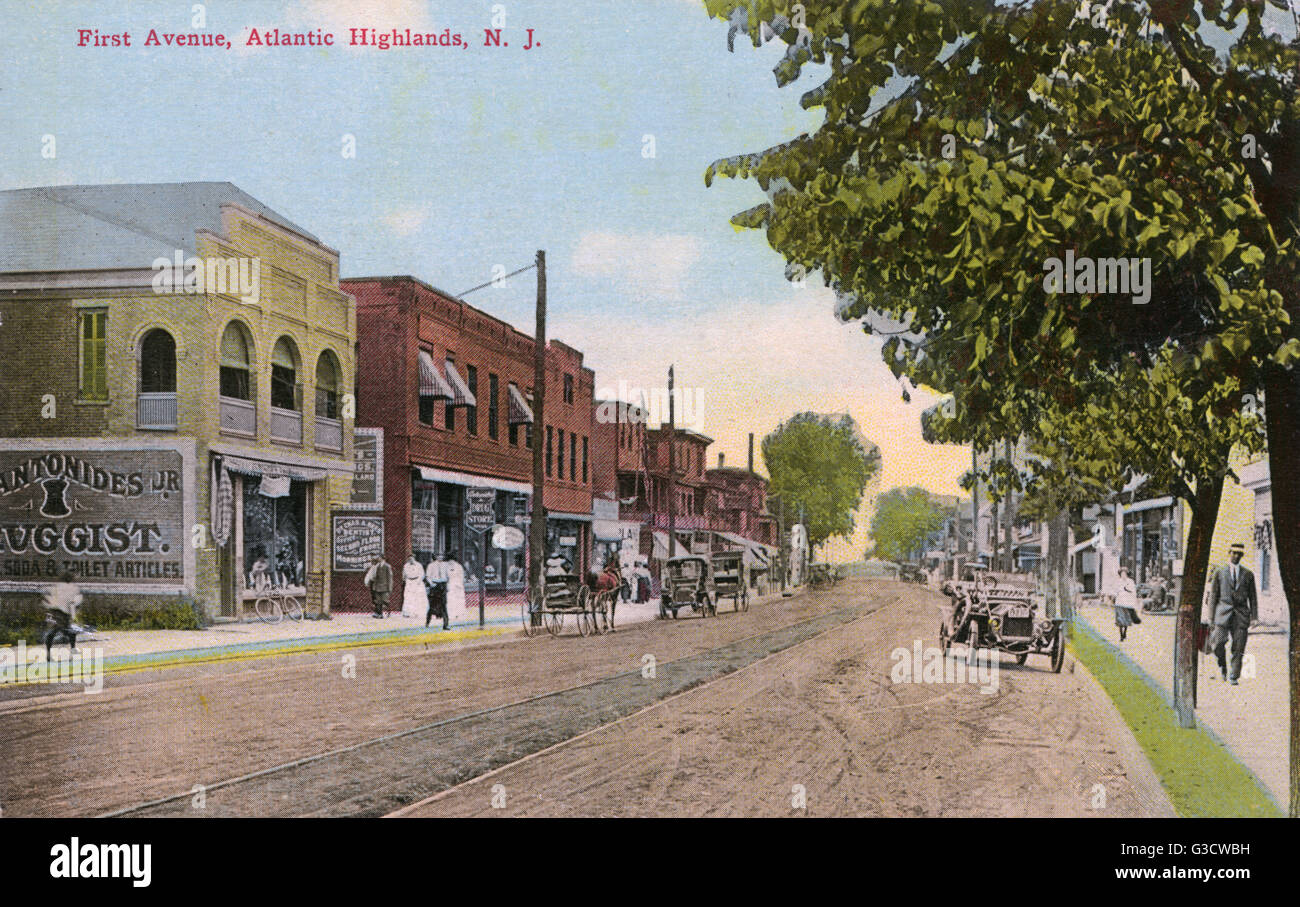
(1058, 652)
(1022, 658)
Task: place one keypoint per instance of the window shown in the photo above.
(550, 437)
(327, 386)
(284, 376)
(492, 406)
(158, 363)
(471, 412)
(584, 459)
(573, 456)
(514, 434)
(93, 365)
(448, 416)
(561, 469)
(568, 389)
(236, 370)
(426, 409)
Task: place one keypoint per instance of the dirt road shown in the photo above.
(796, 691)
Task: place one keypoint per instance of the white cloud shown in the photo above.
(405, 221)
(643, 266)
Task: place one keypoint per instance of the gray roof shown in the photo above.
(128, 225)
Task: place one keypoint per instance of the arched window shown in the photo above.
(327, 386)
(158, 363)
(284, 375)
(236, 362)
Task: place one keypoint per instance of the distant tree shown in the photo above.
(904, 519)
(821, 464)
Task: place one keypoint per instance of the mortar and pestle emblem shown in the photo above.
(55, 503)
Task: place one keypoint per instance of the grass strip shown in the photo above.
(1200, 774)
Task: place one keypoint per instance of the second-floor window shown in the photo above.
(492, 406)
(236, 367)
(93, 364)
(573, 456)
(568, 389)
(584, 459)
(471, 412)
(560, 470)
(158, 363)
(284, 376)
(550, 437)
(327, 386)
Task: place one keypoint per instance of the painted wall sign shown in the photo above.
(356, 540)
(118, 518)
(367, 469)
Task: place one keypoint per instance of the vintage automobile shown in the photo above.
(910, 573)
(1000, 611)
(688, 582)
(731, 579)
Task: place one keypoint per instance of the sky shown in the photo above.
(592, 145)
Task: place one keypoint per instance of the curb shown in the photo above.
(1151, 794)
(1166, 697)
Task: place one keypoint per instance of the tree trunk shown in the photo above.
(1205, 513)
(1059, 601)
(1282, 410)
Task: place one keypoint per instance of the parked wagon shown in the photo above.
(731, 578)
(560, 596)
(687, 583)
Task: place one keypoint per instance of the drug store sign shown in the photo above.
(119, 518)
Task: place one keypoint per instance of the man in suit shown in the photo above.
(380, 580)
(1235, 609)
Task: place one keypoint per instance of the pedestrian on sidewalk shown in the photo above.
(1126, 604)
(61, 602)
(437, 575)
(415, 595)
(1236, 607)
(379, 579)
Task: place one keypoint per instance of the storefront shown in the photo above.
(265, 523)
(438, 525)
(1152, 539)
(567, 537)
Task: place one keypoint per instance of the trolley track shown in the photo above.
(386, 773)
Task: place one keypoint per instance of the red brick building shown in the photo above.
(451, 387)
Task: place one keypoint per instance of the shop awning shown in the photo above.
(520, 412)
(661, 546)
(460, 392)
(257, 468)
(451, 477)
(561, 515)
(431, 383)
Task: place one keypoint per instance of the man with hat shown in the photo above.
(1235, 609)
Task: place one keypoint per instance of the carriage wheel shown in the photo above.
(530, 612)
(554, 622)
(586, 623)
(744, 598)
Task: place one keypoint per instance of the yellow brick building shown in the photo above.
(170, 334)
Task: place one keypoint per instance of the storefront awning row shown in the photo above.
(520, 412)
(451, 477)
(259, 468)
(431, 383)
(460, 392)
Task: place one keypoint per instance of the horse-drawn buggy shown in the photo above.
(687, 583)
(564, 594)
(1000, 611)
(731, 578)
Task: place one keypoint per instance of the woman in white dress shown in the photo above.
(415, 597)
(455, 590)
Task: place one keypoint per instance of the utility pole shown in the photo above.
(1006, 510)
(974, 508)
(537, 531)
(672, 469)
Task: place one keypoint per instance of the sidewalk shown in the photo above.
(1252, 720)
(131, 650)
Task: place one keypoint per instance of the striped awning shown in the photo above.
(431, 383)
(460, 392)
(520, 412)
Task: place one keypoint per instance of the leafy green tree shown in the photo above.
(966, 144)
(904, 519)
(820, 465)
